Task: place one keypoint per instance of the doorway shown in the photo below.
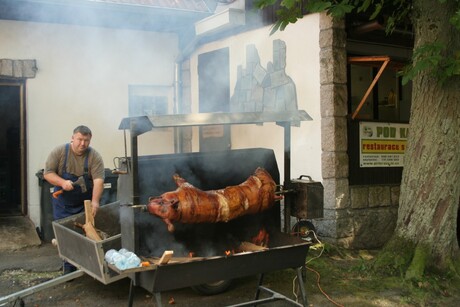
(214, 97)
(12, 147)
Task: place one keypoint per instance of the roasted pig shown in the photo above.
(188, 204)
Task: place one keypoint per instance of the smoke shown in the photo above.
(206, 171)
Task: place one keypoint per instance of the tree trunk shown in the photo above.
(430, 188)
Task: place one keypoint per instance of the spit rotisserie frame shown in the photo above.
(224, 265)
(139, 125)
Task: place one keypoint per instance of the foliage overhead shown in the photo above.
(433, 57)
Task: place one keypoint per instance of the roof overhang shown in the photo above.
(111, 14)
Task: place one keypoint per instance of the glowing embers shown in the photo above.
(261, 238)
(258, 243)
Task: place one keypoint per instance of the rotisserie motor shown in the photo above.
(188, 204)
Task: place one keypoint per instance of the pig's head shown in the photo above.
(165, 207)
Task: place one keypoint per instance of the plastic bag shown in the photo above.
(122, 259)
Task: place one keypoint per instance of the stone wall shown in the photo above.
(374, 211)
(361, 217)
(337, 223)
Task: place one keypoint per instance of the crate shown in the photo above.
(86, 254)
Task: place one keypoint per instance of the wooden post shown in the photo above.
(89, 212)
(89, 225)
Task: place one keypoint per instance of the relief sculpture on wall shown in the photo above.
(260, 89)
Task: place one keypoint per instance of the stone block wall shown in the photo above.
(361, 217)
(375, 211)
(337, 222)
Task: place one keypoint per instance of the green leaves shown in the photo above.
(287, 16)
(341, 9)
(364, 6)
(431, 59)
(316, 6)
(261, 4)
(289, 3)
(378, 8)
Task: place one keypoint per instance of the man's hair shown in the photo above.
(83, 130)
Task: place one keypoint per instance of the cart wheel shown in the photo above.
(213, 288)
(303, 230)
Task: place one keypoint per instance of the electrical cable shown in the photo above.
(294, 288)
(322, 291)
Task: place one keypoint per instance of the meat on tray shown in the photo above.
(188, 204)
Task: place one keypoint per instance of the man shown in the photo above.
(64, 166)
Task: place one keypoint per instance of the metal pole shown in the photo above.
(135, 170)
(45, 285)
(287, 175)
(134, 163)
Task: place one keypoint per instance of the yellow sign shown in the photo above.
(382, 144)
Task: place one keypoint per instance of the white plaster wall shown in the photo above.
(83, 78)
(302, 65)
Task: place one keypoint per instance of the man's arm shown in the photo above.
(56, 180)
(98, 188)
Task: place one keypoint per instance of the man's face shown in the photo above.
(80, 143)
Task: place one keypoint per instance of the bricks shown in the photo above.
(17, 69)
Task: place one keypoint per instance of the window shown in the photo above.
(150, 100)
(376, 95)
(376, 91)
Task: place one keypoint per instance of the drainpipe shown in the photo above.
(178, 148)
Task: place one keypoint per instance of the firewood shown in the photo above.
(250, 247)
(89, 212)
(89, 227)
(156, 260)
(167, 255)
(91, 232)
(102, 235)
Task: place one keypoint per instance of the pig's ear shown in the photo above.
(171, 201)
(175, 204)
(169, 224)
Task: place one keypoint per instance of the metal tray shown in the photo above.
(288, 252)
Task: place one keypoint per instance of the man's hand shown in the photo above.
(56, 180)
(67, 185)
(98, 189)
(95, 207)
